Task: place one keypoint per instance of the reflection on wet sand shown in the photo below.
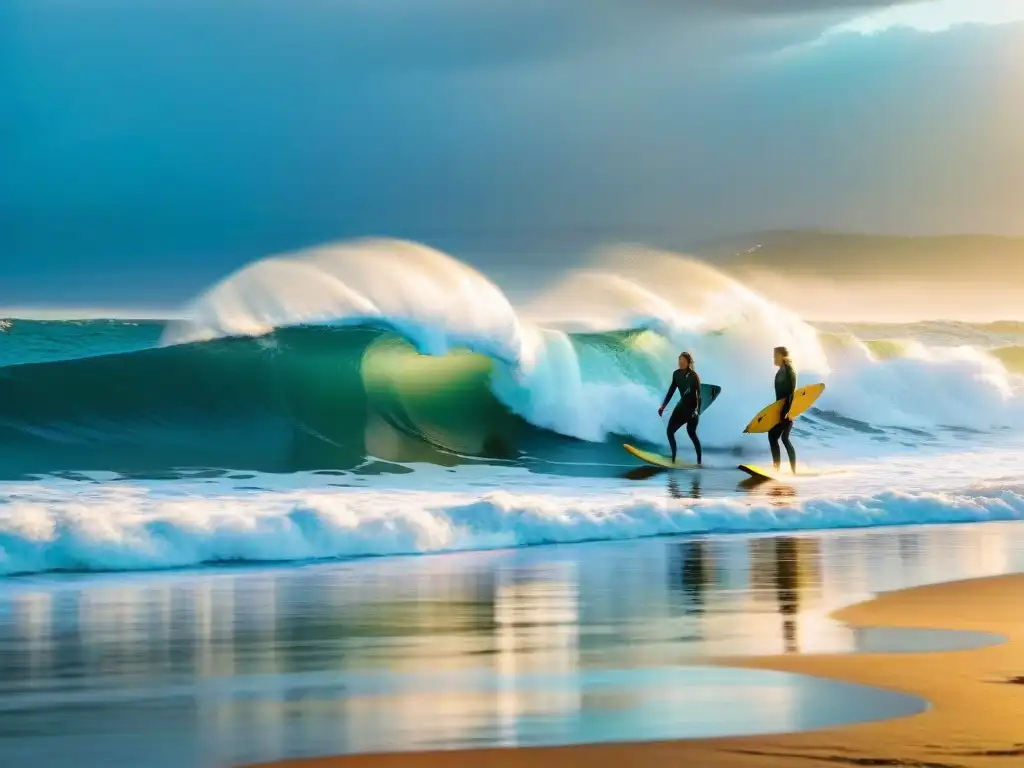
(259, 663)
(691, 576)
(675, 488)
(544, 609)
(784, 574)
(787, 568)
(777, 492)
(787, 585)
(696, 484)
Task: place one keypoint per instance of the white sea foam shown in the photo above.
(68, 525)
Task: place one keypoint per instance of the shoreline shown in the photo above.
(976, 697)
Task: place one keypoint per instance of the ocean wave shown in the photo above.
(436, 302)
(117, 527)
(384, 351)
(297, 399)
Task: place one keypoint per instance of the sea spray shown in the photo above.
(65, 526)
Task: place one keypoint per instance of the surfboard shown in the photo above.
(771, 415)
(758, 472)
(763, 473)
(658, 459)
(708, 394)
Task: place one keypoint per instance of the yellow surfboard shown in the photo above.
(763, 473)
(758, 472)
(771, 415)
(657, 459)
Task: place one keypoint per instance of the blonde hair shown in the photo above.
(784, 352)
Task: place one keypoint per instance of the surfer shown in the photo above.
(687, 410)
(785, 389)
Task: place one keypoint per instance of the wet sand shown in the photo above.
(977, 696)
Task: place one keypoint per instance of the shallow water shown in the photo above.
(254, 718)
(539, 646)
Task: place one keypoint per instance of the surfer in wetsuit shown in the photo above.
(687, 410)
(785, 389)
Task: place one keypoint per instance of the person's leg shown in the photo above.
(675, 421)
(691, 430)
(787, 427)
(773, 441)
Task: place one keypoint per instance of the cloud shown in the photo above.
(932, 16)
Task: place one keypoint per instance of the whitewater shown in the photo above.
(380, 397)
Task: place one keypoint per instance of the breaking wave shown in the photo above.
(372, 355)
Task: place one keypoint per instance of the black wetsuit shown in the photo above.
(687, 410)
(785, 389)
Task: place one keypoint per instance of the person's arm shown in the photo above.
(790, 390)
(671, 391)
(696, 383)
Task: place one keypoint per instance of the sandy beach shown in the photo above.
(977, 699)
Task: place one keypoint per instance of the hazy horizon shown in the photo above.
(783, 270)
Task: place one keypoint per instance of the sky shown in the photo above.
(149, 147)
